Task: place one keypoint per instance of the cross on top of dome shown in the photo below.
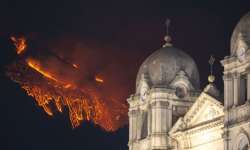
(167, 37)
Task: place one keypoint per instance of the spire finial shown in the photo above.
(167, 37)
(211, 77)
(167, 25)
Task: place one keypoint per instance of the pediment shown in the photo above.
(207, 112)
(205, 109)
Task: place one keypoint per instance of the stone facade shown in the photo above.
(168, 111)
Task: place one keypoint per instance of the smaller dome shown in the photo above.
(241, 34)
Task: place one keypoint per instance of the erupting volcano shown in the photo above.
(57, 84)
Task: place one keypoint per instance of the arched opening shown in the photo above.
(242, 142)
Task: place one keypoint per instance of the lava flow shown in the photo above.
(99, 80)
(57, 86)
(20, 44)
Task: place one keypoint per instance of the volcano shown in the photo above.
(61, 85)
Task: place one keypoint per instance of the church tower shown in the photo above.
(237, 88)
(167, 85)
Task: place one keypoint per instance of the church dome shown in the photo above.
(241, 35)
(162, 67)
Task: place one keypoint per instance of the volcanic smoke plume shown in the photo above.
(61, 82)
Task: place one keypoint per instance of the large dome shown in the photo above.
(241, 33)
(164, 64)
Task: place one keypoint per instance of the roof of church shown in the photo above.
(163, 65)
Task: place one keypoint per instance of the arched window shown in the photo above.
(242, 142)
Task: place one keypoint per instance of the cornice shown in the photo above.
(201, 127)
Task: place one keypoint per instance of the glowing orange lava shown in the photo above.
(20, 44)
(84, 102)
(36, 66)
(98, 79)
(75, 66)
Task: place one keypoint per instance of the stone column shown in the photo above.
(138, 124)
(154, 117)
(236, 86)
(132, 128)
(154, 123)
(133, 121)
(149, 120)
(170, 117)
(159, 124)
(228, 91)
(226, 139)
(130, 125)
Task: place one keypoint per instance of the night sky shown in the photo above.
(122, 31)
